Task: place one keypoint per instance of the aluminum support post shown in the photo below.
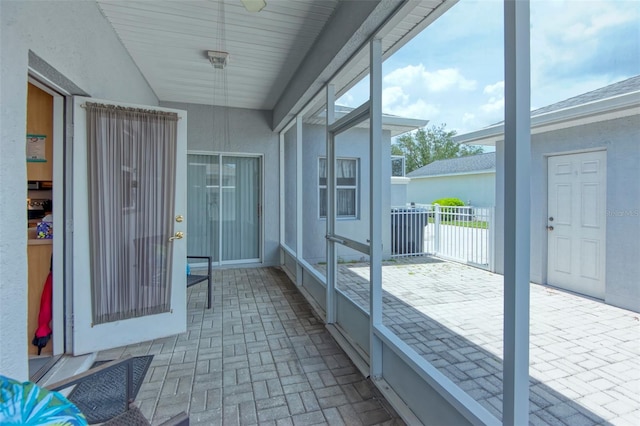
(331, 209)
(517, 223)
(375, 206)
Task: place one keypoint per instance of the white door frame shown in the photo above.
(58, 243)
(553, 278)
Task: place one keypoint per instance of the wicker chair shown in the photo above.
(131, 415)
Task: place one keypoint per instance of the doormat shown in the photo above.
(102, 396)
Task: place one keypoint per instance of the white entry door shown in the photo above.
(137, 250)
(576, 222)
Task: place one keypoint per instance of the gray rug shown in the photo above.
(102, 396)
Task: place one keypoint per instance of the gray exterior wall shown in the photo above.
(620, 139)
(351, 144)
(475, 189)
(249, 133)
(76, 40)
(398, 195)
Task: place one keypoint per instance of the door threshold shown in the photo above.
(44, 368)
(66, 367)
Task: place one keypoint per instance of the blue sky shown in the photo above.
(453, 72)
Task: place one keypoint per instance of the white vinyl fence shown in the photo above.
(463, 234)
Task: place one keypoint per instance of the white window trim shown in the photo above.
(356, 187)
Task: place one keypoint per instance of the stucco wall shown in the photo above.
(77, 41)
(477, 189)
(398, 196)
(620, 140)
(351, 144)
(249, 133)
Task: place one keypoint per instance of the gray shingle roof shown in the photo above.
(620, 88)
(472, 163)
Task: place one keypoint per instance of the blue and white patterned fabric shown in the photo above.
(28, 404)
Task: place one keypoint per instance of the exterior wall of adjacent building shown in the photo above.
(79, 44)
(351, 144)
(475, 189)
(399, 187)
(619, 138)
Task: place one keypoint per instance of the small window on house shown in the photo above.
(346, 187)
(397, 165)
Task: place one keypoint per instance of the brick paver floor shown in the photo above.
(258, 356)
(584, 358)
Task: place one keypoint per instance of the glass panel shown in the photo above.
(323, 202)
(203, 196)
(346, 202)
(585, 333)
(239, 199)
(314, 197)
(397, 165)
(346, 198)
(445, 306)
(240, 208)
(352, 203)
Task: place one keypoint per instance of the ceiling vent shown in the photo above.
(219, 60)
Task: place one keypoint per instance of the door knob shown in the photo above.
(550, 228)
(177, 236)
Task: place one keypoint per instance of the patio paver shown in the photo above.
(258, 356)
(584, 358)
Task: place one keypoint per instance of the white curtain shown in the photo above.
(346, 186)
(131, 177)
(240, 208)
(203, 198)
(224, 195)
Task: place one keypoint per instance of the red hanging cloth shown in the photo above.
(43, 332)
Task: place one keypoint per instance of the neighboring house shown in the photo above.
(585, 193)
(352, 152)
(471, 179)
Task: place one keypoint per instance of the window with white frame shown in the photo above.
(346, 187)
(397, 165)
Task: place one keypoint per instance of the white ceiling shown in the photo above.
(168, 41)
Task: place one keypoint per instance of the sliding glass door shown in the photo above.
(224, 200)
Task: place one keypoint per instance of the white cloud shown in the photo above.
(347, 99)
(408, 91)
(496, 89)
(418, 109)
(570, 36)
(468, 117)
(493, 105)
(393, 95)
(432, 81)
(600, 17)
(456, 78)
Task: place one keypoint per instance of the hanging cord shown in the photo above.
(220, 121)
